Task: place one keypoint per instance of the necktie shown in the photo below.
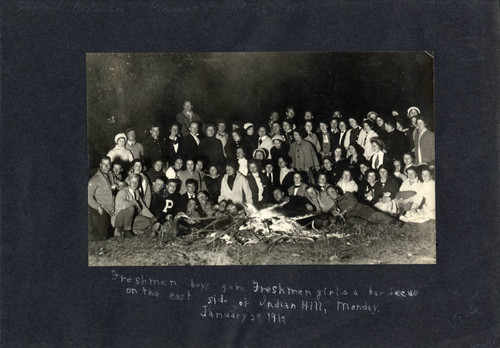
(269, 177)
(417, 146)
(260, 141)
(376, 161)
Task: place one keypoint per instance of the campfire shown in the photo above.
(250, 226)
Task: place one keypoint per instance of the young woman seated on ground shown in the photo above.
(427, 196)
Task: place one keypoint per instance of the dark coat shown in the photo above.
(287, 181)
(397, 144)
(171, 154)
(159, 205)
(363, 188)
(385, 160)
(211, 149)
(341, 138)
(250, 143)
(272, 184)
(296, 206)
(354, 135)
(154, 149)
(320, 139)
(189, 147)
(335, 140)
(277, 153)
(152, 175)
(183, 200)
(390, 186)
(213, 186)
(255, 189)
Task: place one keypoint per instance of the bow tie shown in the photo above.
(221, 134)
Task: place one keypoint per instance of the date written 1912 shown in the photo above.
(276, 318)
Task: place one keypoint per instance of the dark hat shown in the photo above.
(355, 118)
(391, 122)
(384, 166)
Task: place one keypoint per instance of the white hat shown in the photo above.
(412, 108)
(247, 125)
(261, 149)
(120, 135)
(278, 137)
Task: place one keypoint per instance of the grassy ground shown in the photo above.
(358, 244)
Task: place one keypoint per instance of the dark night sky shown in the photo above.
(142, 88)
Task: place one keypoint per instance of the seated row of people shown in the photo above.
(146, 198)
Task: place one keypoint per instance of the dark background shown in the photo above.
(140, 89)
(50, 297)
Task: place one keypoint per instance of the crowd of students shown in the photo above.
(376, 168)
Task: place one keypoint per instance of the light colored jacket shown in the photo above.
(100, 193)
(121, 153)
(240, 193)
(303, 155)
(125, 199)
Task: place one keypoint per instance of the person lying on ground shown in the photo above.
(350, 210)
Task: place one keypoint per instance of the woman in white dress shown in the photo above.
(365, 136)
(427, 197)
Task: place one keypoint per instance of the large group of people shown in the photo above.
(377, 168)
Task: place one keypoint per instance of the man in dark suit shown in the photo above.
(334, 130)
(258, 183)
(187, 116)
(154, 147)
(290, 206)
(397, 142)
(353, 133)
(325, 139)
(284, 172)
(298, 188)
(272, 178)
(191, 142)
(191, 189)
(158, 202)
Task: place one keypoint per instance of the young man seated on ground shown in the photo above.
(289, 205)
(191, 189)
(323, 204)
(131, 213)
(188, 220)
(299, 187)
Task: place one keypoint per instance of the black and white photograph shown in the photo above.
(257, 173)
(261, 158)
